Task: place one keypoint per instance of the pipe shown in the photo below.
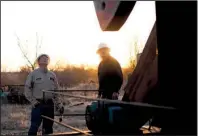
(72, 114)
(68, 126)
(114, 101)
(68, 133)
(77, 90)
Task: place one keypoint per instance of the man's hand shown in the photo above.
(99, 96)
(60, 108)
(115, 96)
(35, 104)
(61, 111)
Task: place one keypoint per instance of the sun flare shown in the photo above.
(69, 31)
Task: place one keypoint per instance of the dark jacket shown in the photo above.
(110, 76)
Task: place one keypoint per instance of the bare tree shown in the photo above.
(57, 66)
(4, 68)
(30, 64)
(134, 49)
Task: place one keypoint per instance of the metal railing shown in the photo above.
(62, 92)
(78, 131)
(144, 105)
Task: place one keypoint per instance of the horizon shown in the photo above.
(70, 36)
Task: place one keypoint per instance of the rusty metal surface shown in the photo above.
(143, 78)
(113, 14)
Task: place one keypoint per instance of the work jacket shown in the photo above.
(110, 76)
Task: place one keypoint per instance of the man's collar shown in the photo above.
(43, 70)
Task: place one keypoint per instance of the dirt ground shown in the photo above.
(15, 119)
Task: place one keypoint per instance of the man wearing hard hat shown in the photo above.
(38, 80)
(110, 75)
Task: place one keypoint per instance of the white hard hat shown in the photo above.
(42, 56)
(102, 46)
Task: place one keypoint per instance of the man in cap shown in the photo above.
(38, 80)
(110, 75)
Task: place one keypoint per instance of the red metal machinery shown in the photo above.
(172, 18)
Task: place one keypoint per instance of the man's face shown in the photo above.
(43, 61)
(104, 53)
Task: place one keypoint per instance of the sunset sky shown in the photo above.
(70, 31)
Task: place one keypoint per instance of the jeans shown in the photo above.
(46, 109)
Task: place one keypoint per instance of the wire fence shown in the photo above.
(14, 94)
